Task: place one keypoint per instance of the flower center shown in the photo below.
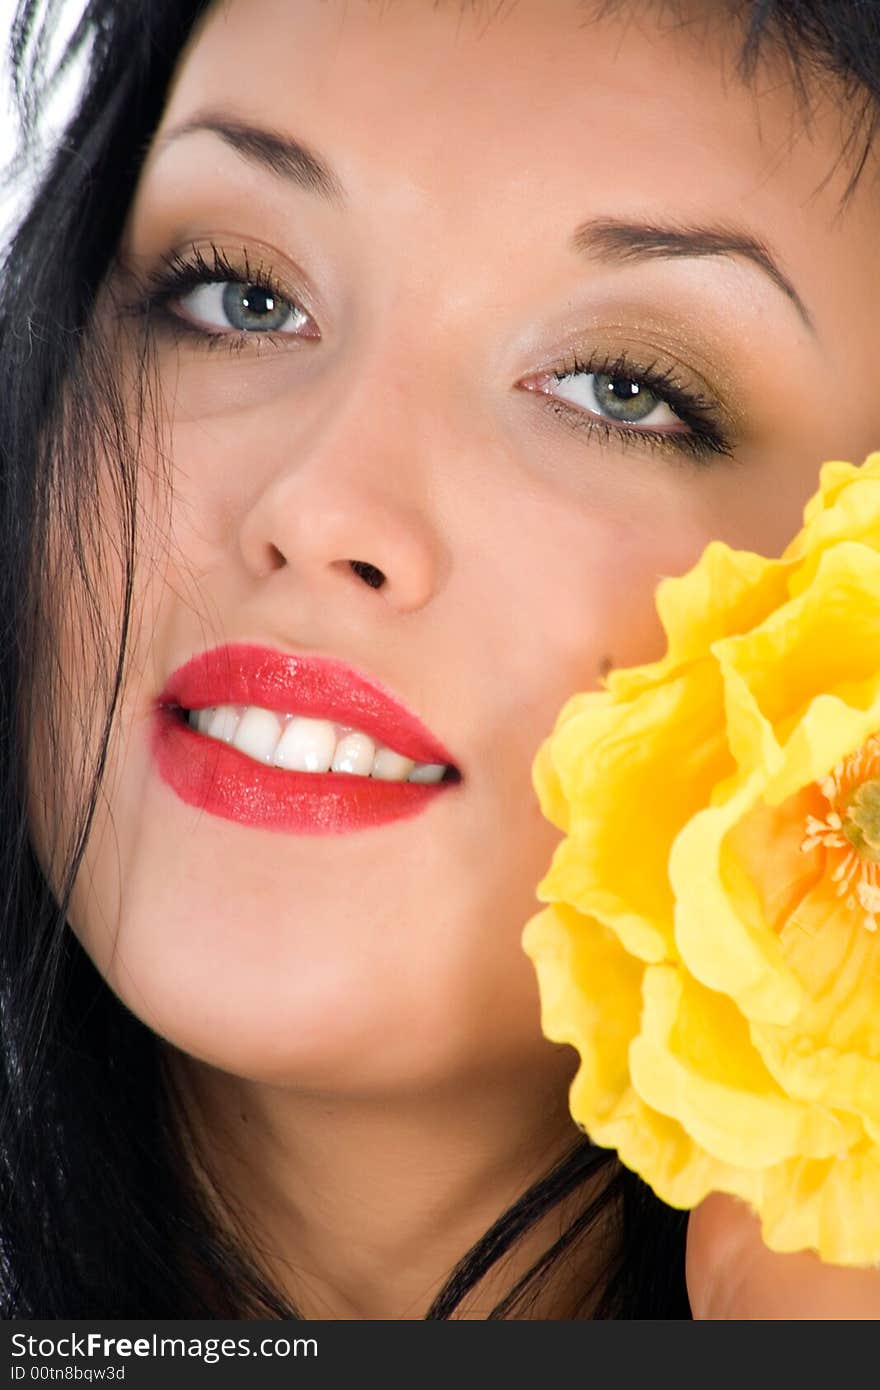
(850, 829)
(861, 824)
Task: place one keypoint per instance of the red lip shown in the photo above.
(312, 686)
(223, 781)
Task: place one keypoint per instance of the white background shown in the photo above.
(10, 197)
(7, 123)
(7, 8)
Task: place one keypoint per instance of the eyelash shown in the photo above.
(180, 273)
(706, 441)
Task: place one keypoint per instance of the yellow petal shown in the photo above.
(830, 729)
(830, 1053)
(846, 508)
(721, 932)
(765, 844)
(669, 1159)
(547, 784)
(831, 1206)
(825, 643)
(694, 1061)
(726, 592)
(632, 774)
(590, 998)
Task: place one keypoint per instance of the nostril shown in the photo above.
(375, 578)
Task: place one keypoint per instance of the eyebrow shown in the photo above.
(613, 240)
(280, 154)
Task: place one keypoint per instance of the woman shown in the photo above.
(365, 366)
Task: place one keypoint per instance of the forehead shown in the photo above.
(493, 135)
(510, 90)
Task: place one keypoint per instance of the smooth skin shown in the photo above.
(352, 1018)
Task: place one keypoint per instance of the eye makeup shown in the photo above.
(705, 438)
(180, 273)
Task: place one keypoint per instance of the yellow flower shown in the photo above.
(711, 943)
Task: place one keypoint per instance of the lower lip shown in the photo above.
(219, 779)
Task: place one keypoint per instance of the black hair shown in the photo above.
(103, 1212)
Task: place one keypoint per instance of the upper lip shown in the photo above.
(313, 686)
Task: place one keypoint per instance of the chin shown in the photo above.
(309, 1038)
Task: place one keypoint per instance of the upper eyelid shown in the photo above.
(148, 273)
(244, 274)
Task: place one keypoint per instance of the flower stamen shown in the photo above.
(852, 826)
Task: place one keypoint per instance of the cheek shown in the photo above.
(587, 597)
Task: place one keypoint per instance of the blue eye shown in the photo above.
(216, 302)
(623, 399)
(242, 308)
(620, 403)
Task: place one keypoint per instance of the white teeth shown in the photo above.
(307, 745)
(201, 719)
(427, 772)
(222, 723)
(299, 744)
(389, 766)
(257, 734)
(355, 753)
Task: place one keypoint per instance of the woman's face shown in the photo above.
(566, 302)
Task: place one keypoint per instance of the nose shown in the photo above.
(347, 509)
